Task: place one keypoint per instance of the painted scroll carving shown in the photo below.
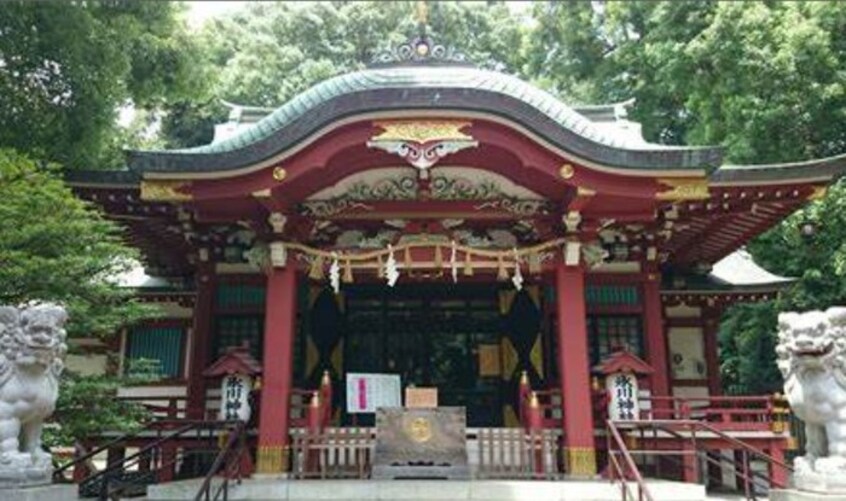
(422, 143)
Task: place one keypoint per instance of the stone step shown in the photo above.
(423, 490)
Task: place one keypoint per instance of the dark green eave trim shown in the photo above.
(822, 170)
(426, 88)
(103, 178)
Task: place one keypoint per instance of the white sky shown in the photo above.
(200, 11)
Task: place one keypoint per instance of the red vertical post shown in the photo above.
(656, 341)
(200, 340)
(573, 369)
(778, 474)
(279, 326)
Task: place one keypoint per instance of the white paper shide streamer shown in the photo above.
(517, 279)
(391, 270)
(335, 273)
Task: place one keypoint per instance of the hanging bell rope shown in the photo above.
(315, 272)
(501, 273)
(385, 263)
(348, 274)
(439, 258)
(468, 265)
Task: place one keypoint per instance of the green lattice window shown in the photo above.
(612, 295)
(160, 348)
(235, 330)
(233, 296)
(609, 332)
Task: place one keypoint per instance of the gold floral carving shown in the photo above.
(422, 131)
(567, 171)
(165, 191)
(684, 189)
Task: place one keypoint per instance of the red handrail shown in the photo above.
(642, 491)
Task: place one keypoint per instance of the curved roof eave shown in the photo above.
(819, 170)
(430, 88)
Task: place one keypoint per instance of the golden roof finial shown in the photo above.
(422, 13)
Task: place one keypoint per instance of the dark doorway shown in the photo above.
(430, 335)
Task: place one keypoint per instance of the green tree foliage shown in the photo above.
(268, 52)
(763, 79)
(53, 247)
(67, 67)
(80, 395)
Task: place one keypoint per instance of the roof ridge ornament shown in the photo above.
(420, 48)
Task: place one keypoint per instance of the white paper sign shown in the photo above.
(623, 404)
(367, 392)
(234, 397)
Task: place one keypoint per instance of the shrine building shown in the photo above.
(457, 227)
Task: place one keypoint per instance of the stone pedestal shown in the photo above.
(797, 495)
(420, 443)
(831, 482)
(23, 470)
(49, 492)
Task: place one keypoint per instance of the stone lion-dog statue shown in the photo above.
(811, 355)
(32, 349)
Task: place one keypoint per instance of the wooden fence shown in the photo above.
(504, 453)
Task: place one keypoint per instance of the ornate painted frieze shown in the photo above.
(446, 188)
(683, 189)
(396, 188)
(329, 208)
(517, 207)
(165, 190)
(422, 143)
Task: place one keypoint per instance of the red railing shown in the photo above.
(690, 442)
(622, 467)
(538, 409)
(737, 413)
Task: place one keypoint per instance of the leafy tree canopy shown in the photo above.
(268, 52)
(67, 67)
(763, 79)
(53, 247)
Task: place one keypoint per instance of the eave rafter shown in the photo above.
(730, 216)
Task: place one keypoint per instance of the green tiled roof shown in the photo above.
(432, 88)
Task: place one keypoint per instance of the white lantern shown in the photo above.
(235, 397)
(623, 403)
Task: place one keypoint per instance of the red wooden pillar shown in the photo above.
(200, 340)
(778, 474)
(573, 369)
(277, 372)
(710, 330)
(656, 340)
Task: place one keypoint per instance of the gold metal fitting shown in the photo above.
(279, 173)
(533, 400)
